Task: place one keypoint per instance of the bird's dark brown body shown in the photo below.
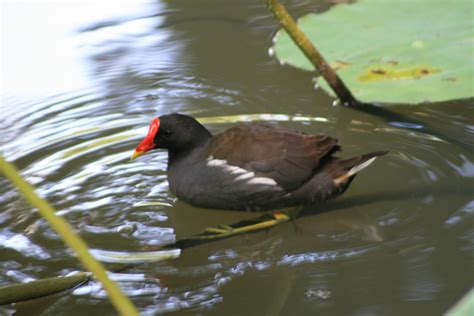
(251, 166)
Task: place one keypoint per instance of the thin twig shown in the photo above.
(338, 86)
(314, 56)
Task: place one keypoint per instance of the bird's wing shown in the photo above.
(286, 156)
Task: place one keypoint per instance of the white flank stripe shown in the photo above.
(216, 162)
(235, 170)
(245, 176)
(223, 164)
(242, 173)
(262, 180)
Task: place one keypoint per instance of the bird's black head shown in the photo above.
(175, 132)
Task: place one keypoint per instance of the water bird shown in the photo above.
(251, 166)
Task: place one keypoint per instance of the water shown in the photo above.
(82, 81)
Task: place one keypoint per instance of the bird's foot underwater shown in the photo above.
(221, 229)
(266, 221)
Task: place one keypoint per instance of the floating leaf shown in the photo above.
(393, 51)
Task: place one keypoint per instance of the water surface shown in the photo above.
(81, 83)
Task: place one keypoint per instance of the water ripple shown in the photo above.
(406, 221)
(23, 245)
(297, 259)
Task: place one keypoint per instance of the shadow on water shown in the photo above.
(386, 197)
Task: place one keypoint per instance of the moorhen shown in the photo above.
(254, 166)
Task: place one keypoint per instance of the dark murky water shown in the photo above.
(80, 85)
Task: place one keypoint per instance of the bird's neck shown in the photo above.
(190, 150)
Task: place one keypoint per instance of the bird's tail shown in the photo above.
(354, 165)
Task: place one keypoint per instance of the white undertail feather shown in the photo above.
(354, 170)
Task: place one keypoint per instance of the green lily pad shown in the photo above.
(392, 51)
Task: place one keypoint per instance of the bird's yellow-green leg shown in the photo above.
(292, 212)
(263, 222)
(221, 229)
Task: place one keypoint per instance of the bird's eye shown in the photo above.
(167, 132)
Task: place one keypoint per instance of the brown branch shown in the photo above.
(15, 293)
(313, 55)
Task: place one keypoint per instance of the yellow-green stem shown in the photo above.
(121, 302)
(310, 51)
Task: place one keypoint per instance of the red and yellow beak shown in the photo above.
(136, 154)
(147, 143)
